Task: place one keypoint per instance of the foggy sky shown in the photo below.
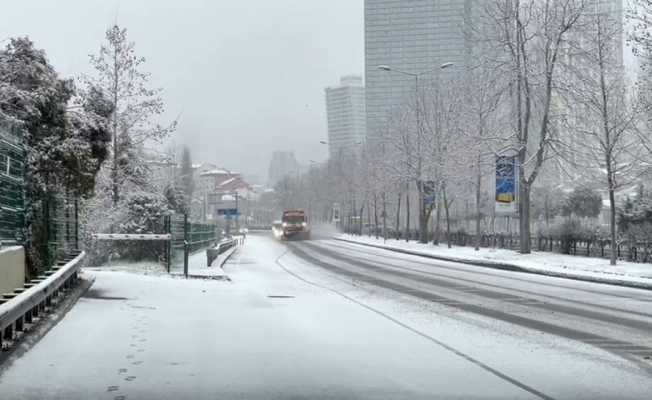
(247, 77)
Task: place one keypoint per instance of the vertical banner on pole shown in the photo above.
(506, 184)
(429, 195)
(336, 213)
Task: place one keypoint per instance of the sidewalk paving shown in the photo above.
(197, 266)
(589, 269)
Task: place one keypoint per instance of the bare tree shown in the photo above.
(531, 35)
(483, 92)
(605, 111)
(447, 156)
(118, 74)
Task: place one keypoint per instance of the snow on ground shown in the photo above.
(561, 264)
(268, 335)
(135, 336)
(558, 367)
(140, 267)
(197, 266)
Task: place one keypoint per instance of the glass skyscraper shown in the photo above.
(414, 36)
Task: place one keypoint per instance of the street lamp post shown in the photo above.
(423, 229)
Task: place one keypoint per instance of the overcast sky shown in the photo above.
(247, 77)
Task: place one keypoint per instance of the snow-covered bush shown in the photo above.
(140, 212)
(582, 202)
(635, 217)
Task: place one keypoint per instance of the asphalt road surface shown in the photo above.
(324, 319)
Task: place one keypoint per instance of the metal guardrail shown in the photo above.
(259, 227)
(37, 297)
(223, 246)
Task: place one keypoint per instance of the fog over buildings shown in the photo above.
(244, 78)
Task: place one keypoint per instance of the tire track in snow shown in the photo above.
(627, 350)
(486, 367)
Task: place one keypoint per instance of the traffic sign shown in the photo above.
(227, 211)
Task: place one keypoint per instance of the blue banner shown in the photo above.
(429, 197)
(227, 211)
(506, 182)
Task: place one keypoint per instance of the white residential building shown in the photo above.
(345, 108)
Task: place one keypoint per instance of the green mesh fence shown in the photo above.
(12, 166)
(63, 226)
(188, 237)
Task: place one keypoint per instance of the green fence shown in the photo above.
(187, 237)
(62, 228)
(12, 167)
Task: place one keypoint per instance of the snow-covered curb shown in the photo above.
(525, 266)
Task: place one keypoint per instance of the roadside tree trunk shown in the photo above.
(448, 220)
(612, 210)
(397, 229)
(477, 204)
(437, 224)
(376, 215)
(407, 214)
(524, 218)
(384, 216)
(423, 220)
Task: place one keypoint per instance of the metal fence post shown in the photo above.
(168, 246)
(186, 245)
(76, 223)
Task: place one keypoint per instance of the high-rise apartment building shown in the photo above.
(282, 165)
(345, 109)
(414, 36)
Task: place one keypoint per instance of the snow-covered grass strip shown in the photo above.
(635, 275)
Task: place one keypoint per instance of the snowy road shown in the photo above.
(329, 320)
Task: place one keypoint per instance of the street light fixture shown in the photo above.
(354, 143)
(387, 68)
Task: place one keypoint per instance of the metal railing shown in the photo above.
(221, 248)
(37, 297)
(187, 237)
(628, 250)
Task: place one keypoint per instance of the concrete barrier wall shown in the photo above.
(12, 268)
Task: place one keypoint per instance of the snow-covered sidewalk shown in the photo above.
(197, 266)
(565, 266)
